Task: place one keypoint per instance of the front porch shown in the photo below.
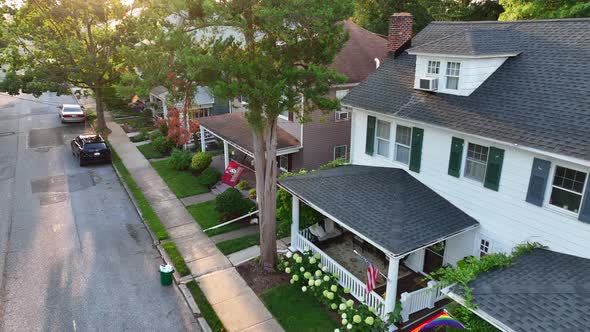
(387, 217)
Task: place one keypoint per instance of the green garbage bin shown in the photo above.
(166, 272)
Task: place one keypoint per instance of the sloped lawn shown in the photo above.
(182, 183)
(234, 245)
(206, 216)
(297, 311)
(149, 151)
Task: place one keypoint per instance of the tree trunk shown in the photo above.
(265, 164)
(101, 125)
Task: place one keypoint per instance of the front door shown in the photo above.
(433, 257)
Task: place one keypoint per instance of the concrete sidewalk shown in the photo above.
(232, 299)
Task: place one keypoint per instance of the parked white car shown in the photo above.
(71, 113)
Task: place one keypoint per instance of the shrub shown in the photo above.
(201, 160)
(162, 145)
(155, 134)
(90, 116)
(163, 127)
(231, 202)
(252, 193)
(243, 185)
(210, 177)
(180, 159)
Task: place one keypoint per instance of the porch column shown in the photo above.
(226, 153)
(203, 143)
(295, 224)
(392, 274)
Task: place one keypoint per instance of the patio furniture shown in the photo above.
(327, 232)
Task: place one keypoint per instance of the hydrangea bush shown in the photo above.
(308, 273)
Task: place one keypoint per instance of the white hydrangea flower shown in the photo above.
(326, 278)
(306, 249)
(343, 315)
(325, 269)
(302, 269)
(304, 289)
(349, 326)
(289, 254)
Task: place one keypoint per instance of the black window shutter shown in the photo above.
(538, 182)
(494, 168)
(371, 123)
(456, 157)
(585, 210)
(416, 149)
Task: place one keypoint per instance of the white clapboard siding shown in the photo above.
(505, 216)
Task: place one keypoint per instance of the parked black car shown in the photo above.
(91, 149)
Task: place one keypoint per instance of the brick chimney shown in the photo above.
(400, 32)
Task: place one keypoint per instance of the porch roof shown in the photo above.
(542, 291)
(233, 127)
(387, 206)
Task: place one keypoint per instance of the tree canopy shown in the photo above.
(53, 45)
(544, 9)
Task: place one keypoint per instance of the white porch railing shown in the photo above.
(420, 299)
(346, 279)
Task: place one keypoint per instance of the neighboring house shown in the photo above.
(203, 104)
(471, 138)
(327, 136)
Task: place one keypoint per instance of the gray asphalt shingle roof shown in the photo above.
(473, 43)
(537, 99)
(542, 291)
(387, 205)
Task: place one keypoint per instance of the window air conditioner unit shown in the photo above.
(428, 84)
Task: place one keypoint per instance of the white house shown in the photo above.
(493, 117)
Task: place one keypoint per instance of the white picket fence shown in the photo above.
(420, 299)
(346, 279)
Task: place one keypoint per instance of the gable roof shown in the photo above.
(537, 99)
(356, 60)
(542, 291)
(386, 205)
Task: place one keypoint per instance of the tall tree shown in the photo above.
(275, 53)
(544, 9)
(374, 15)
(463, 10)
(55, 44)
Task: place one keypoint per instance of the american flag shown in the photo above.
(372, 275)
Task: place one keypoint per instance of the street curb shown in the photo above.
(188, 297)
(155, 240)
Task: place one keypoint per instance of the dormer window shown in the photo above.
(433, 67)
(453, 69)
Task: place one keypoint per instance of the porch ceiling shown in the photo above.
(541, 291)
(385, 205)
(233, 128)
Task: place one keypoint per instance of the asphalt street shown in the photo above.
(74, 255)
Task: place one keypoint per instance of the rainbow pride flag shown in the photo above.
(442, 319)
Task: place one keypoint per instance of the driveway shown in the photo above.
(74, 254)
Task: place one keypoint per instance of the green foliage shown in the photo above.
(288, 304)
(155, 134)
(470, 267)
(231, 203)
(374, 15)
(207, 310)
(57, 44)
(180, 160)
(310, 276)
(543, 9)
(200, 161)
(143, 135)
(162, 145)
(470, 320)
(147, 212)
(177, 260)
(252, 193)
(182, 183)
(90, 116)
(206, 216)
(243, 185)
(150, 152)
(163, 128)
(451, 10)
(210, 177)
(234, 245)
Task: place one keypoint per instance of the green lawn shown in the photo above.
(231, 246)
(297, 311)
(150, 217)
(177, 260)
(182, 183)
(206, 216)
(206, 310)
(149, 151)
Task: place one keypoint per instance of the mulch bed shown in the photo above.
(259, 279)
